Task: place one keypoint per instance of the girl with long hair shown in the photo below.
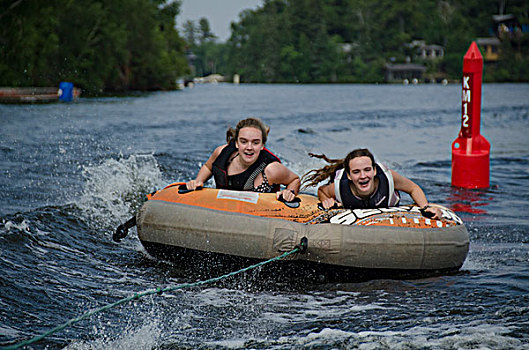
(244, 164)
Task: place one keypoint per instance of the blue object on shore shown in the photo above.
(65, 91)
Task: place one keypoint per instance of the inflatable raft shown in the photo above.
(257, 226)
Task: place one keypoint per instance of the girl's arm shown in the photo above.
(416, 193)
(327, 195)
(277, 173)
(205, 172)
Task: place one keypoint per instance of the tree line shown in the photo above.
(123, 45)
(115, 45)
(310, 41)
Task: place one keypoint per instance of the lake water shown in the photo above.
(70, 173)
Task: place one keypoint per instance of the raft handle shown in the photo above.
(123, 229)
(182, 189)
(293, 204)
(426, 214)
(335, 206)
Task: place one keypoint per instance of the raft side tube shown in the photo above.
(383, 247)
(243, 235)
(216, 231)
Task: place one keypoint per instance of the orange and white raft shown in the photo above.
(258, 226)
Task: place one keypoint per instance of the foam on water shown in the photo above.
(22, 226)
(440, 336)
(147, 336)
(116, 188)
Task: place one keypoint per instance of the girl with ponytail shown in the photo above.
(244, 164)
(358, 182)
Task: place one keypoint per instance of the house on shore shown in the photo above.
(504, 28)
(404, 72)
(418, 52)
(490, 47)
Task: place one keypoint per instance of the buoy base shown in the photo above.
(470, 170)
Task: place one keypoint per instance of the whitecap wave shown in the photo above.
(116, 188)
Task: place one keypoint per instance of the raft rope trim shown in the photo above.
(301, 248)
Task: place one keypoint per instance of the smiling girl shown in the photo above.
(358, 182)
(244, 164)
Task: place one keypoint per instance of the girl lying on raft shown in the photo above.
(358, 182)
(244, 164)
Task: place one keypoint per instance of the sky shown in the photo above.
(220, 13)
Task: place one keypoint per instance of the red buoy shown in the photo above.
(471, 151)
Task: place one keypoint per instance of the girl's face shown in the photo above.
(249, 143)
(362, 174)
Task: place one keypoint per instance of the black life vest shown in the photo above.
(245, 180)
(384, 196)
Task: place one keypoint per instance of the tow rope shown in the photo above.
(300, 248)
(123, 229)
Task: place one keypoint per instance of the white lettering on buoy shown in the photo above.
(466, 98)
(465, 82)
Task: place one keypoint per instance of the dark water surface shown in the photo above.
(70, 173)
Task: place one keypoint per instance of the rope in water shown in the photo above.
(300, 248)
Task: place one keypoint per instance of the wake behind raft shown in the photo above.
(208, 224)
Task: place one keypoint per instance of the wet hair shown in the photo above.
(360, 152)
(315, 176)
(232, 134)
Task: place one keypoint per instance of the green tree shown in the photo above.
(24, 39)
(98, 45)
(352, 40)
(205, 33)
(190, 33)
